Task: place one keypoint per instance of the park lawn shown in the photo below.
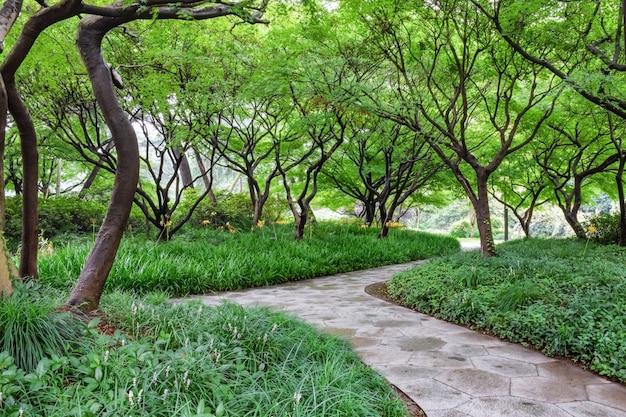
(208, 260)
(564, 297)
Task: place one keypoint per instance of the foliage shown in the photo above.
(603, 228)
(235, 210)
(561, 296)
(60, 216)
(189, 359)
(212, 260)
(462, 228)
(30, 329)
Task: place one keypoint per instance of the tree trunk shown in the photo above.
(619, 178)
(300, 220)
(205, 177)
(483, 216)
(7, 268)
(88, 289)
(30, 167)
(370, 211)
(384, 220)
(184, 169)
(572, 219)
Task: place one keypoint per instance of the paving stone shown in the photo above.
(394, 323)
(433, 395)
(475, 382)
(407, 373)
(591, 409)
(510, 407)
(566, 371)
(379, 356)
(465, 350)
(548, 390)
(613, 395)
(513, 351)
(443, 326)
(463, 335)
(438, 359)
(504, 366)
(415, 344)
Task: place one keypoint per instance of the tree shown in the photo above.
(92, 30)
(521, 188)
(582, 43)
(455, 83)
(580, 146)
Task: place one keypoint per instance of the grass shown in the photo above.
(564, 297)
(194, 360)
(206, 260)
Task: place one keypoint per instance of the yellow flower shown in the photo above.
(592, 229)
(205, 222)
(260, 223)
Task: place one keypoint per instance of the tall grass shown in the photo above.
(30, 328)
(565, 297)
(194, 360)
(209, 260)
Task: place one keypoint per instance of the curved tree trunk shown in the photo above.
(88, 289)
(30, 167)
(35, 25)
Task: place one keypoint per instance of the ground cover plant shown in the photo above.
(192, 360)
(564, 297)
(207, 260)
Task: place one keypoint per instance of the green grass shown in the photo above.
(564, 297)
(208, 260)
(194, 360)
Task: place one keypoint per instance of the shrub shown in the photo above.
(235, 210)
(603, 228)
(462, 228)
(59, 216)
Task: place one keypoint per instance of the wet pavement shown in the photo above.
(448, 370)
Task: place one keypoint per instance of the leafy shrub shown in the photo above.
(603, 228)
(462, 228)
(59, 216)
(31, 330)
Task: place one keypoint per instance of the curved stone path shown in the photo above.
(448, 370)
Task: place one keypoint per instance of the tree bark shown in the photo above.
(483, 215)
(88, 289)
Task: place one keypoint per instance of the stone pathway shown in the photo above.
(448, 370)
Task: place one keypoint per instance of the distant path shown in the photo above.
(448, 370)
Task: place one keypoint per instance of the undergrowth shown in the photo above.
(194, 360)
(564, 297)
